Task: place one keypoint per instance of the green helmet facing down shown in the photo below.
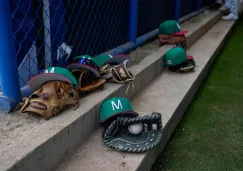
(117, 59)
(178, 61)
(51, 74)
(116, 106)
(175, 56)
(171, 27)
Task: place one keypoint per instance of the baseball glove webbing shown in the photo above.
(117, 74)
(117, 136)
(179, 40)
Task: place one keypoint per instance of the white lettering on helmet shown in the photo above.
(51, 71)
(169, 61)
(117, 106)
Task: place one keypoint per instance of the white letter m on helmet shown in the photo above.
(116, 106)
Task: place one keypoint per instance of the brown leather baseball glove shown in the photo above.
(88, 81)
(51, 98)
(116, 73)
(178, 40)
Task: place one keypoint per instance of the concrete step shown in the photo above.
(34, 144)
(170, 94)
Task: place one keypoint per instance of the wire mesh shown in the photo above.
(152, 12)
(187, 7)
(207, 2)
(47, 32)
(51, 32)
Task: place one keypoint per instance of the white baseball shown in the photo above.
(135, 128)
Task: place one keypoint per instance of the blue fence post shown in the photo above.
(199, 3)
(8, 61)
(133, 20)
(177, 9)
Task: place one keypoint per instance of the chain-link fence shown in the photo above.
(185, 8)
(152, 12)
(51, 32)
(47, 33)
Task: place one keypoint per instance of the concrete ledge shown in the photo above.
(170, 94)
(206, 25)
(29, 143)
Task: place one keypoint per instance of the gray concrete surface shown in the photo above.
(32, 143)
(170, 94)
